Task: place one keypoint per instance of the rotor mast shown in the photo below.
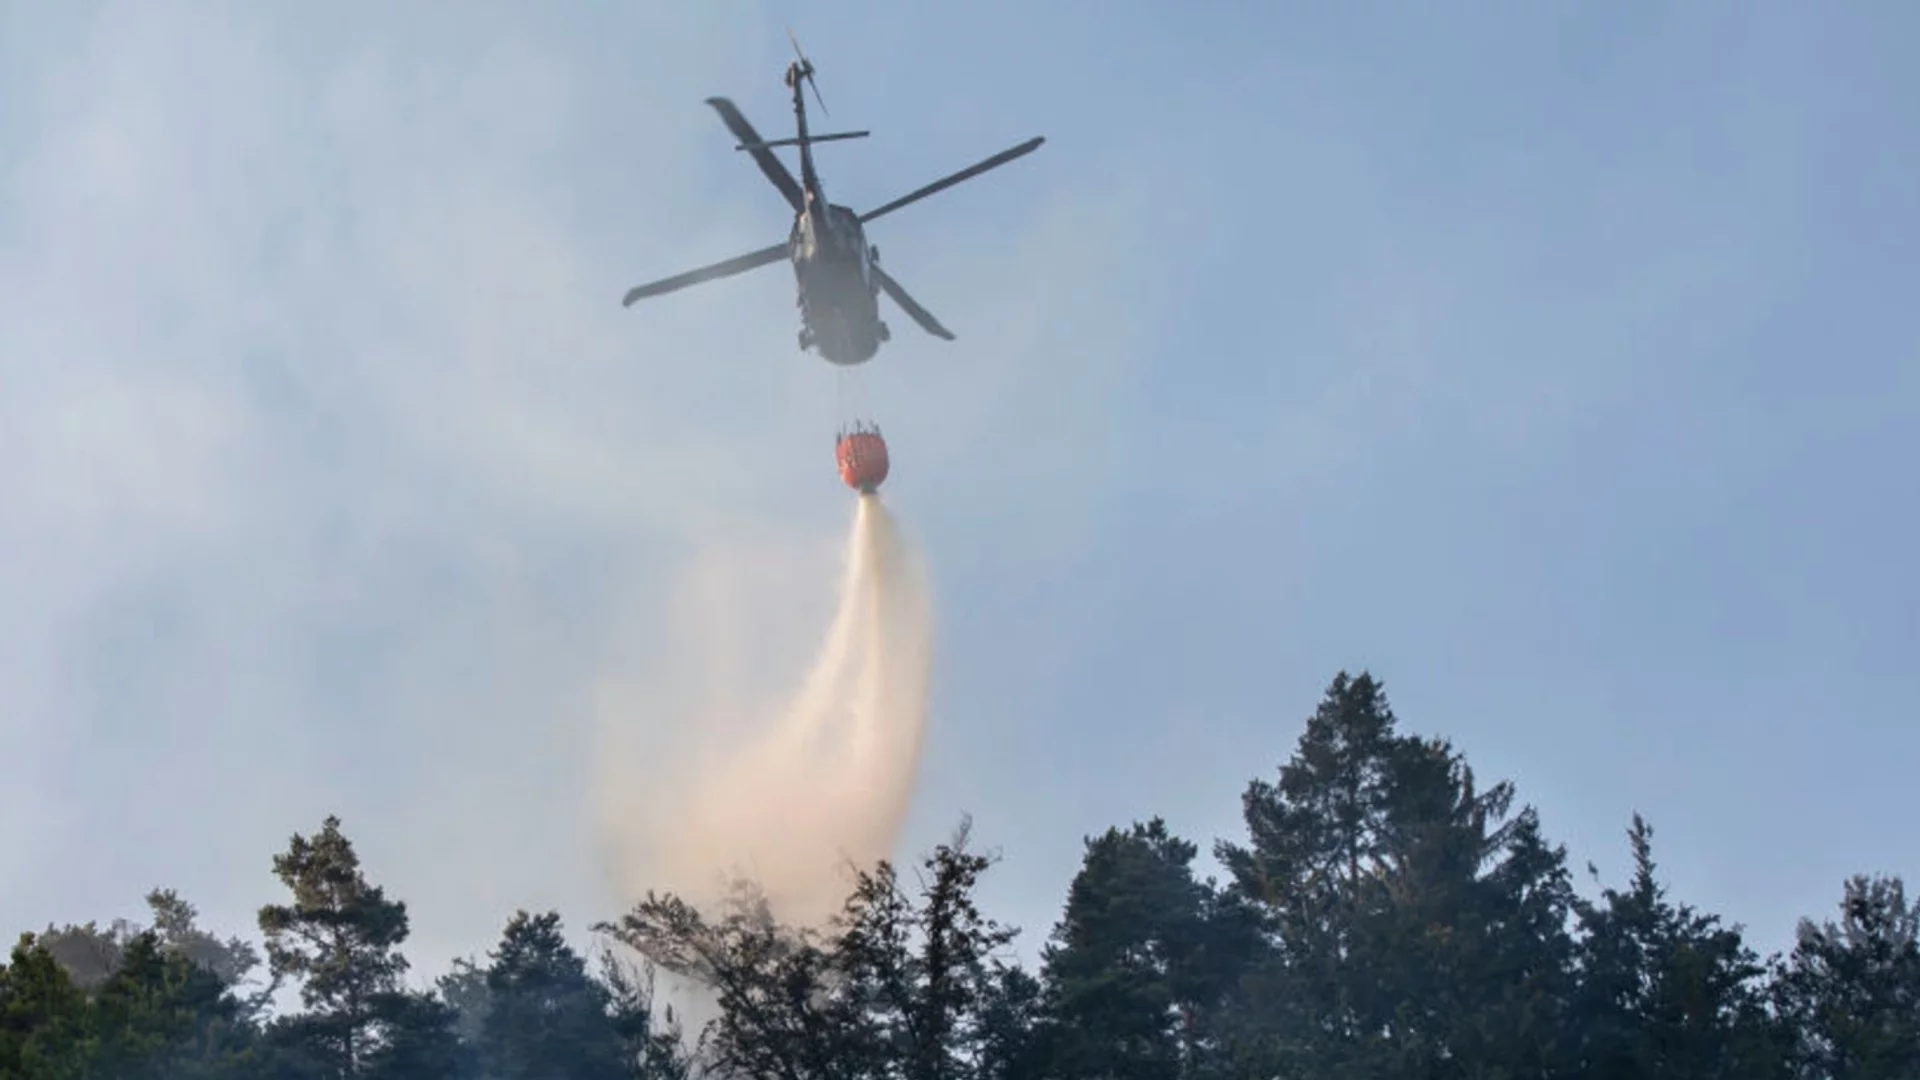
(809, 176)
(802, 68)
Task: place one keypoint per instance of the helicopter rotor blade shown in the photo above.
(739, 264)
(772, 167)
(909, 305)
(968, 173)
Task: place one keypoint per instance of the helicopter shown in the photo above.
(836, 271)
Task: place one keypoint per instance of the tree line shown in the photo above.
(1384, 916)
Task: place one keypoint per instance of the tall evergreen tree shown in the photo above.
(43, 1016)
(1667, 992)
(420, 1041)
(1141, 961)
(1416, 928)
(1015, 1030)
(1463, 928)
(162, 1015)
(1312, 838)
(340, 937)
(1851, 989)
(464, 989)
(546, 1015)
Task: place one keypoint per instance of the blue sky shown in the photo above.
(1550, 362)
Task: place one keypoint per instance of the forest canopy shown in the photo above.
(1384, 915)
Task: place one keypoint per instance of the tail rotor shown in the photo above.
(804, 69)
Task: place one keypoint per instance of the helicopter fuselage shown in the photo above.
(838, 298)
(837, 274)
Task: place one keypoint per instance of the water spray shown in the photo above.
(822, 779)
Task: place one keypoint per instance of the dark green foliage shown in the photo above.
(1667, 993)
(465, 990)
(157, 1016)
(922, 963)
(421, 1041)
(163, 1015)
(1850, 991)
(1386, 916)
(1013, 1028)
(340, 938)
(778, 1014)
(654, 1046)
(898, 986)
(1143, 961)
(44, 1019)
(544, 1014)
(1414, 926)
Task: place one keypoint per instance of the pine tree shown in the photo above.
(1015, 1032)
(43, 1017)
(546, 1015)
(162, 1015)
(1462, 929)
(421, 1041)
(1416, 926)
(1851, 989)
(1668, 993)
(340, 937)
(1142, 960)
(157, 1016)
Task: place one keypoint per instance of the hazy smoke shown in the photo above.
(787, 795)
